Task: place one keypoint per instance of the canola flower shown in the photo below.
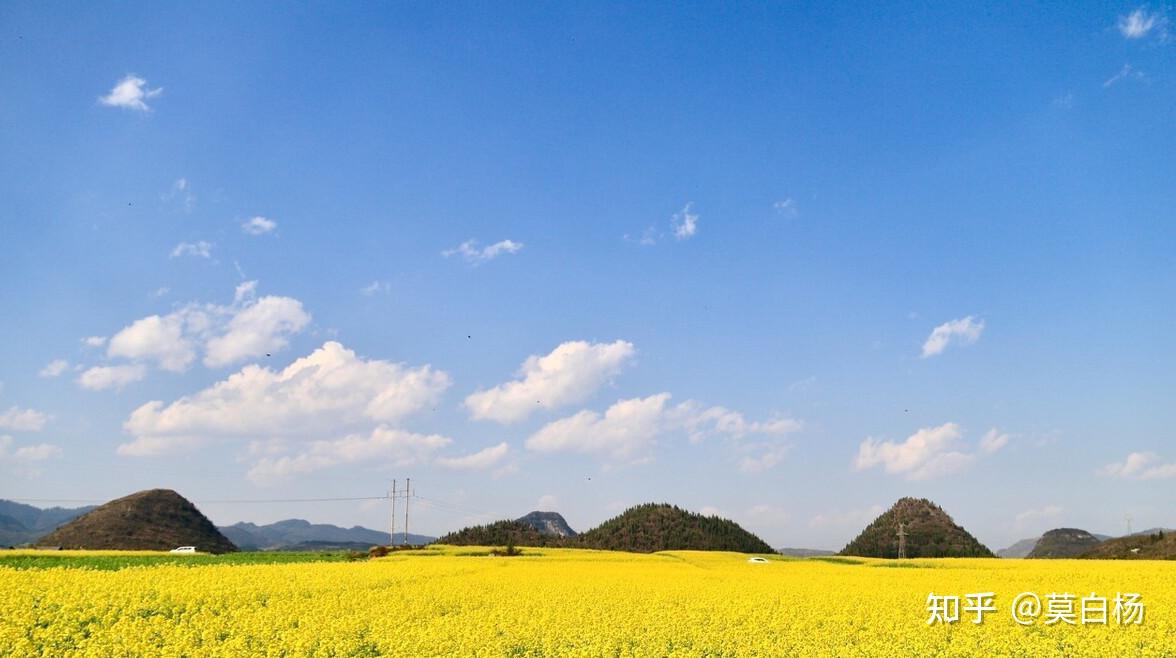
(559, 602)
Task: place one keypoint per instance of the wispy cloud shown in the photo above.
(375, 287)
(479, 460)
(786, 207)
(200, 249)
(1141, 23)
(181, 192)
(963, 331)
(259, 225)
(100, 378)
(1140, 466)
(685, 223)
(131, 93)
(471, 253)
(1125, 73)
(54, 368)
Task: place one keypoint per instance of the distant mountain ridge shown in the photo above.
(642, 529)
(24, 524)
(298, 534)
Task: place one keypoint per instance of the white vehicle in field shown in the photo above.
(183, 549)
(757, 560)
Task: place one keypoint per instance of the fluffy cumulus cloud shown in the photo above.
(628, 429)
(100, 378)
(1141, 466)
(684, 223)
(472, 254)
(928, 453)
(479, 460)
(166, 340)
(383, 446)
(54, 368)
(327, 391)
(258, 328)
(963, 331)
(10, 453)
(227, 334)
(569, 374)
(259, 225)
(1142, 23)
(130, 93)
(23, 420)
(624, 430)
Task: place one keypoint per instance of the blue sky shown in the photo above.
(784, 263)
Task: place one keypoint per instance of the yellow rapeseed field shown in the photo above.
(446, 602)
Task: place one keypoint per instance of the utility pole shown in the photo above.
(902, 535)
(392, 525)
(407, 495)
(1128, 517)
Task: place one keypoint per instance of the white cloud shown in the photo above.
(469, 250)
(244, 291)
(1039, 514)
(181, 192)
(479, 460)
(160, 339)
(928, 453)
(26, 454)
(629, 428)
(854, 518)
(201, 249)
(94, 341)
(685, 223)
(375, 287)
(571, 373)
(54, 368)
(23, 420)
(246, 329)
(259, 226)
(1140, 23)
(1125, 73)
(383, 446)
(261, 327)
(547, 503)
(1140, 466)
(131, 93)
(100, 378)
(786, 207)
(327, 391)
(963, 331)
(992, 441)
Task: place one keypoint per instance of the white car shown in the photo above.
(757, 560)
(183, 549)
